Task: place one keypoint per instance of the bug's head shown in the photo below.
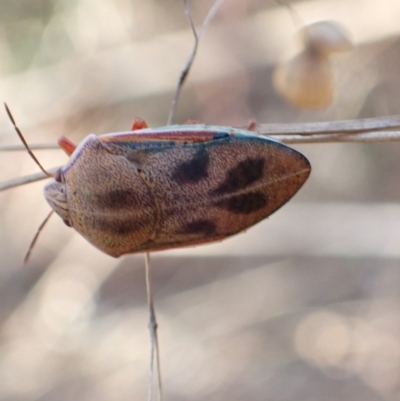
(55, 193)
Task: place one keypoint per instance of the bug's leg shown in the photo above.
(138, 123)
(66, 145)
(252, 126)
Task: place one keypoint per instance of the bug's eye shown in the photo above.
(67, 223)
(58, 176)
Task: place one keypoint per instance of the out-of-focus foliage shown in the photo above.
(303, 306)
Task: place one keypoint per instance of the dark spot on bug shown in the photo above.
(194, 170)
(119, 227)
(239, 177)
(205, 227)
(115, 199)
(244, 204)
(123, 227)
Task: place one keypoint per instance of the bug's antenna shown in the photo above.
(39, 230)
(18, 131)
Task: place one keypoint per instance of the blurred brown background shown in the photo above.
(304, 306)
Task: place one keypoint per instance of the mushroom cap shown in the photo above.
(326, 37)
(305, 81)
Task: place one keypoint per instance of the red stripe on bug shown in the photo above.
(179, 136)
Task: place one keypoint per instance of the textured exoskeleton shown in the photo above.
(174, 186)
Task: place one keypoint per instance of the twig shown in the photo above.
(285, 133)
(344, 126)
(155, 351)
(187, 67)
(338, 128)
(296, 17)
(27, 179)
(210, 15)
(377, 136)
(44, 146)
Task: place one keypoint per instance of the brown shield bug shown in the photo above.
(180, 185)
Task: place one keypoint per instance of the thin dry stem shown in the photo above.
(377, 136)
(384, 127)
(14, 148)
(210, 15)
(155, 351)
(187, 67)
(370, 130)
(27, 179)
(296, 17)
(325, 127)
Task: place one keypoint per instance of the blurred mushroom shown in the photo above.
(306, 80)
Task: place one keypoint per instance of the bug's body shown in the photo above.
(175, 186)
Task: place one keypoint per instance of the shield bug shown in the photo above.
(180, 185)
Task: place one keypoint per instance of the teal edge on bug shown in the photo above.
(174, 186)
